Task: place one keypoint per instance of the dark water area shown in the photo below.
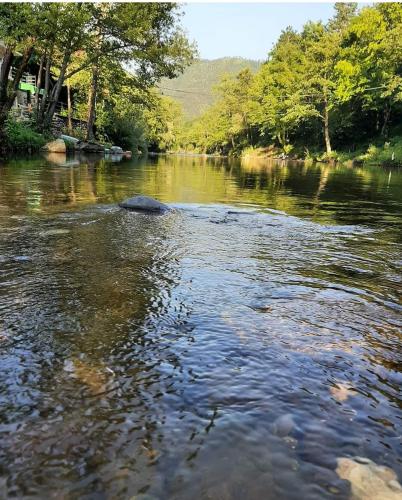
(239, 347)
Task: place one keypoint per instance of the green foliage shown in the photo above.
(22, 136)
(334, 87)
(164, 124)
(99, 49)
(389, 154)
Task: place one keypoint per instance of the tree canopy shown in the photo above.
(101, 51)
(319, 88)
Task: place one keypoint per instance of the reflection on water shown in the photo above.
(246, 345)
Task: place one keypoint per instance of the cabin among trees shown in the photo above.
(30, 92)
(27, 93)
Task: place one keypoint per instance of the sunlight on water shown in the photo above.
(245, 345)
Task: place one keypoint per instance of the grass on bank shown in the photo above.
(22, 136)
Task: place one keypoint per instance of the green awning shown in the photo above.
(28, 86)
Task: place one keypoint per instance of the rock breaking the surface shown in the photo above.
(145, 204)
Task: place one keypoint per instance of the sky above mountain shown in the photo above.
(246, 29)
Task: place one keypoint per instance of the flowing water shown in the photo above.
(234, 348)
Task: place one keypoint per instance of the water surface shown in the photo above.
(234, 348)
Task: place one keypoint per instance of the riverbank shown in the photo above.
(21, 137)
(387, 154)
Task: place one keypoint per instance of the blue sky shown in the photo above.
(246, 29)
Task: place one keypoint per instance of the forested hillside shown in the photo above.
(193, 89)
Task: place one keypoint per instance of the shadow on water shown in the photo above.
(234, 348)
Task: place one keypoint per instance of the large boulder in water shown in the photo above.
(57, 146)
(144, 203)
(369, 481)
(89, 147)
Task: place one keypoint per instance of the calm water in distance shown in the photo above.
(234, 348)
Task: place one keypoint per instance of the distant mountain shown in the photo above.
(193, 89)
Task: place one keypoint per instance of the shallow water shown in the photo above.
(231, 349)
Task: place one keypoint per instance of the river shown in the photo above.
(237, 347)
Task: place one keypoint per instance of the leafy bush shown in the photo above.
(127, 133)
(287, 148)
(260, 152)
(21, 135)
(390, 154)
(252, 151)
(329, 157)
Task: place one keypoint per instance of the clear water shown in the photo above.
(233, 348)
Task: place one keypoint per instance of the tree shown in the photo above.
(19, 31)
(370, 67)
(144, 36)
(164, 121)
(69, 31)
(280, 104)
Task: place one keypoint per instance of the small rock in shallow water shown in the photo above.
(22, 258)
(284, 425)
(54, 232)
(92, 376)
(144, 203)
(341, 391)
(369, 481)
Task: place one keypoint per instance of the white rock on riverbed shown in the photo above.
(369, 481)
(145, 203)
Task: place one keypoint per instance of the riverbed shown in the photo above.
(237, 347)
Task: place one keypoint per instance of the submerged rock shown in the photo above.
(144, 203)
(342, 391)
(93, 377)
(369, 481)
(54, 232)
(284, 425)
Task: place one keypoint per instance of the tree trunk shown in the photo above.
(387, 116)
(326, 128)
(69, 110)
(39, 80)
(92, 103)
(3, 119)
(42, 107)
(54, 97)
(4, 74)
